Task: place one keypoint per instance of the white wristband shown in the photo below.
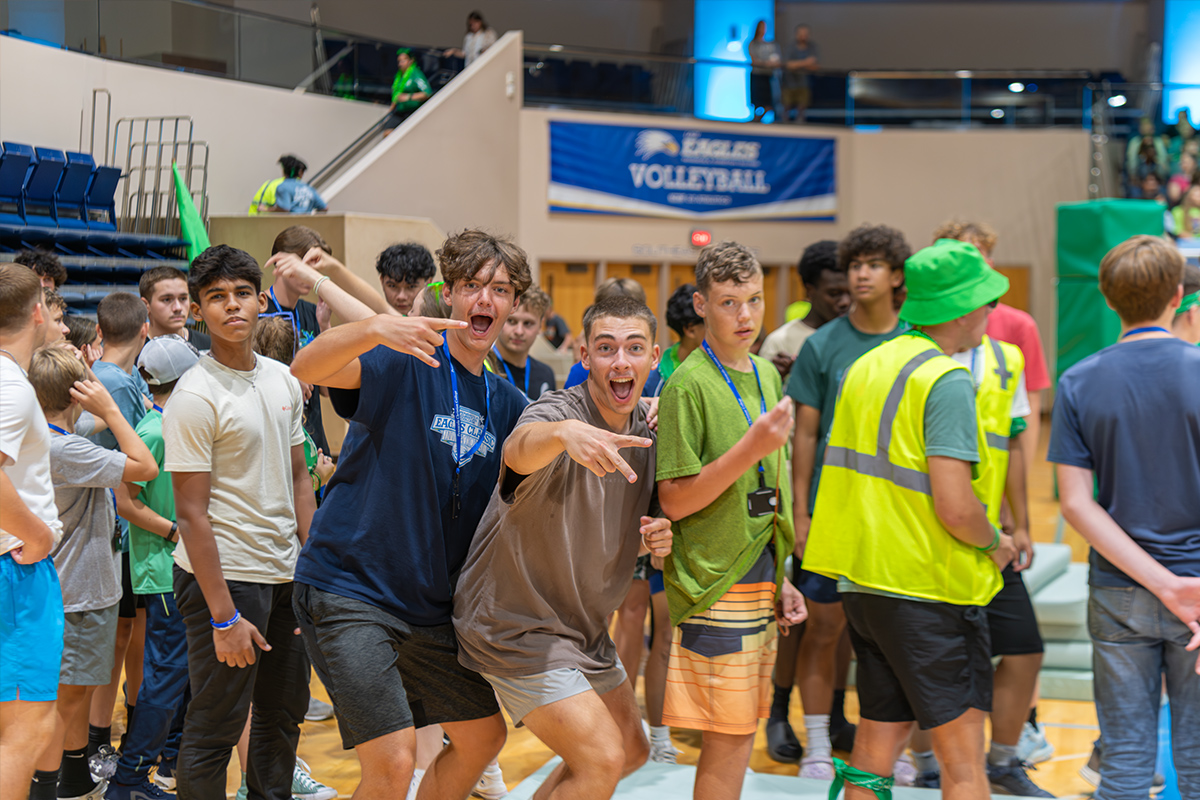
(317, 286)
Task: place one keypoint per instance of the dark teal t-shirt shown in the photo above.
(818, 371)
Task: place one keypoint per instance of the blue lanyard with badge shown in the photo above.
(116, 542)
(508, 371)
(455, 495)
(761, 501)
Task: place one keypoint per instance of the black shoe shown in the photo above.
(1011, 779)
(928, 780)
(843, 737)
(782, 744)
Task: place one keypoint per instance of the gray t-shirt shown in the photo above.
(89, 566)
(553, 556)
(761, 54)
(799, 78)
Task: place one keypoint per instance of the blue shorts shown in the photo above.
(817, 588)
(31, 631)
(656, 582)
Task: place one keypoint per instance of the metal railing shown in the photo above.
(147, 188)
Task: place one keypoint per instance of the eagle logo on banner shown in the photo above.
(650, 142)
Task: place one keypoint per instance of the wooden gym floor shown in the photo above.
(1070, 726)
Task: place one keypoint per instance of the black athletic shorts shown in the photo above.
(130, 602)
(925, 661)
(1013, 626)
(761, 95)
(383, 674)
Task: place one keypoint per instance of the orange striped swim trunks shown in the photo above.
(719, 675)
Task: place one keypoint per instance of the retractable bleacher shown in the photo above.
(65, 203)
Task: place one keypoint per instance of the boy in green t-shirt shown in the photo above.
(150, 508)
(726, 490)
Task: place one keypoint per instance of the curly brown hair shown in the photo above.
(979, 234)
(869, 239)
(725, 261)
(465, 255)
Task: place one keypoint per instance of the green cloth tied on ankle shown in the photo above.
(844, 773)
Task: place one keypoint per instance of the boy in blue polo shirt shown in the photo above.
(1127, 425)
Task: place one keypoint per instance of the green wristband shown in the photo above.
(995, 542)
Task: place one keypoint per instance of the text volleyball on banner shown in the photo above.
(689, 174)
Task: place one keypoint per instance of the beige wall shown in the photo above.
(912, 180)
(43, 91)
(453, 161)
(355, 240)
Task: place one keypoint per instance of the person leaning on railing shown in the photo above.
(409, 89)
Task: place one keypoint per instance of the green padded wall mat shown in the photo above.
(1086, 231)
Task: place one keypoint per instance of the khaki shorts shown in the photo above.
(719, 675)
(799, 97)
(526, 693)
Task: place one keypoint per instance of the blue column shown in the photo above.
(723, 28)
(1181, 58)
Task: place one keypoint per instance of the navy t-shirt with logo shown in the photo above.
(386, 533)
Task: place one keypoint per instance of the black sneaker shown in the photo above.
(782, 744)
(1011, 779)
(843, 737)
(928, 780)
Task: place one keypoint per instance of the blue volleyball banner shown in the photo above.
(679, 173)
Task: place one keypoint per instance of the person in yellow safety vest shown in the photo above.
(898, 525)
(998, 372)
(289, 194)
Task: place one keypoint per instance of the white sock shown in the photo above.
(1001, 754)
(414, 783)
(660, 734)
(817, 747)
(925, 762)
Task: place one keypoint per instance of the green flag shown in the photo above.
(190, 224)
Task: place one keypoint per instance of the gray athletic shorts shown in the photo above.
(523, 694)
(89, 642)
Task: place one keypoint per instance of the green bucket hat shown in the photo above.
(946, 281)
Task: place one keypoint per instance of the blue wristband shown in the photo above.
(224, 626)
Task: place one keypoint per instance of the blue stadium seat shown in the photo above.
(100, 206)
(69, 210)
(42, 182)
(14, 166)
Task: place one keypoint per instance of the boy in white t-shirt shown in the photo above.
(243, 500)
(31, 640)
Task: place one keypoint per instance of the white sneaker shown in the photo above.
(304, 787)
(904, 772)
(1032, 747)
(491, 785)
(664, 752)
(819, 769)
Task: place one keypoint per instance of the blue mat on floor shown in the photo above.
(672, 782)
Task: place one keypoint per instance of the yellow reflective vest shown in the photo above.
(265, 195)
(874, 521)
(1003, 364)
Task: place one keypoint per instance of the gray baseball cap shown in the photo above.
(165, 358)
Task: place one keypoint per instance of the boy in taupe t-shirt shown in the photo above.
(554, 556)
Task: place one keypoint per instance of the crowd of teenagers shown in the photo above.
(857, 489)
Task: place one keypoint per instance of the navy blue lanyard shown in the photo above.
(1147, 329)
(291, 315)
(111, 493)
(459, 458)
(508, 371)
(762, 398)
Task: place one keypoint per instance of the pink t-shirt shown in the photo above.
(1014, 326)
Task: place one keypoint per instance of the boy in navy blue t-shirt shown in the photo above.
(375, 583)
(1129, 415)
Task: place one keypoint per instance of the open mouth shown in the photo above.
(745, 332)
(622, 388)
(480, 324)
